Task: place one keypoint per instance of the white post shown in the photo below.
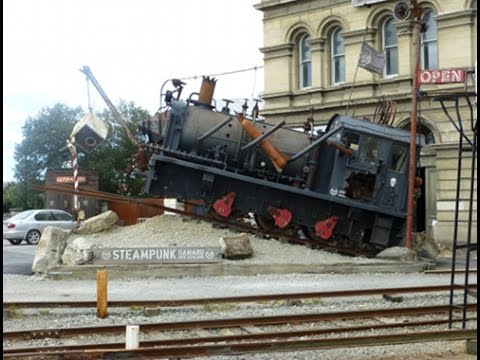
(73, 151)
(132, 340)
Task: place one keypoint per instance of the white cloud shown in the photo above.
(132, 46)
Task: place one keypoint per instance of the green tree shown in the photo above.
(111, 159)
(45, 134)
(43, 137)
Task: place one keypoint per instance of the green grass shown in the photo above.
(218, 307)
(15, 313)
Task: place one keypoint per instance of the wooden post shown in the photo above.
(102, 301)
(131, 337)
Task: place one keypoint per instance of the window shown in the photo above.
(350, 141)
(305, 61)
(43, 216)
(338, 57)
(389, 43)
(368, 152)
(399, 158)
(62, 216)
(429, 51)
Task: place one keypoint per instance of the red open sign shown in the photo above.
(445, 76)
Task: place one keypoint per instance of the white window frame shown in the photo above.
(304, 62)
(388, 47)
(425, 42)
(335, 56)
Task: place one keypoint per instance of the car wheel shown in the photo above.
(33, 237)
(15, 241)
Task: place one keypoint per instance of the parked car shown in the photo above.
(29, 225)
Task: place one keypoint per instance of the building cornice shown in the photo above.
(279, 8)
(404, 28)
(317, 44)
(357, 36)
(454, 19)
(277, 51)
(268, 4)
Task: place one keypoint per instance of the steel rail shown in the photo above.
(231, 338)
(256, 347)
(233, 299)
(233, 322)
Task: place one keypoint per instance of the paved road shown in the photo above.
(18, 259)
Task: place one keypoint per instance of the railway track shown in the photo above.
(234, 299)
(246, 334)
(256, 335)
(223, 323)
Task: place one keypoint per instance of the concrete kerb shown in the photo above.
(223, 269)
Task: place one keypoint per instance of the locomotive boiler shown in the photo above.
(345, 186)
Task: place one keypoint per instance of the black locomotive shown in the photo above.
(346, 186)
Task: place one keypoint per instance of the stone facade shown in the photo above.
(286, 21)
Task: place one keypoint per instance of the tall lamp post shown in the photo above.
(416, 16)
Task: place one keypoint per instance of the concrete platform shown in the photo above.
(231, 268)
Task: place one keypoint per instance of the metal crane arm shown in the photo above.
(88, 73)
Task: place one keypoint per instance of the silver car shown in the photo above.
(28, 225)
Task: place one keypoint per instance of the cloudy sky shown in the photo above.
(132, 47)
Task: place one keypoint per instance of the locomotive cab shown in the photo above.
(371, 165)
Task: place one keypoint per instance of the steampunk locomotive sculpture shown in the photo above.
(346, 186)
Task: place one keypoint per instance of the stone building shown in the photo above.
(311, 52)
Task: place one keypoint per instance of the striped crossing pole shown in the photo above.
(73, 151)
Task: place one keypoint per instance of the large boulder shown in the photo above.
(96, 224)
(78, 252)
(397, 253)
(236, 247)
(425, 246)
(50, 248)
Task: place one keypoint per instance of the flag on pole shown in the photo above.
(371, 59)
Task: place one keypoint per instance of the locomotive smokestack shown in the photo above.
(206, 90)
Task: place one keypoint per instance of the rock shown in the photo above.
(446, 252)
(236, 247)
(397, 253)
(395, 299)
(50, 249)
(472, 346)
(78, 252)
(96, 224)
(425, 246)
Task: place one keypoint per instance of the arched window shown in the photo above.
(390, 47)
(337, 56)
(305, 62)
(429, 50)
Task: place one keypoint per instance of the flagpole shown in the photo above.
(416, 12)
(355, 75)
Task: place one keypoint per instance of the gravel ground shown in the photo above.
(173, 230)
(36, 288)
(170, 230)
